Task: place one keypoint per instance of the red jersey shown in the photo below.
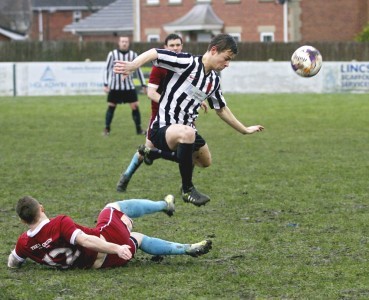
(53, 242)
(156, 78)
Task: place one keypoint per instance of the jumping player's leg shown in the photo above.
(182, 139)
(202, 157)
(135, 208)
(156, 246)
(151, 153)
(185, 137)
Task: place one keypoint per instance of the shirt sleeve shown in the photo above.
(176, 62)
(69, 230)
(107, 70)
(20, 250)
(156, 76)
(15, 261)
(216, 99)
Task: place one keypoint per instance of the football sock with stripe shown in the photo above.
(155, 246)
(135, 208)
(109, 116)
(184, 154)
(157, 153)
(133, 166)
(136, 116)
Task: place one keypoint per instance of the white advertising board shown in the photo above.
(278, 77)
(6, 79)
(54, 78)
(86, 78)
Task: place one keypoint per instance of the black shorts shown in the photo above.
(119, 97)
(157, 137)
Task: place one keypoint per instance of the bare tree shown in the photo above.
(16, 15)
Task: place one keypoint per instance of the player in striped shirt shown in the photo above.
(122, 91)
(156, 85)
(60, 242)
(193, 80)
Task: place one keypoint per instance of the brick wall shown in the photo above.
(53, 24)
(338, 20)
(249, 14)
(309, 20)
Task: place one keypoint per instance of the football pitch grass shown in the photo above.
(288, 214)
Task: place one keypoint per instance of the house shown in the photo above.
(254, 20)
(51, 16)
(198, 20)
(246, 20)
(106, 24)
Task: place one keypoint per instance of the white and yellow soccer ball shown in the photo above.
(306, 61)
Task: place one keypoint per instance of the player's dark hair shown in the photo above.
(27, 209)
(172, 36)
(224, 42)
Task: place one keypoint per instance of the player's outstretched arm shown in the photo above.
(97, 244)
(227, 116)
(153, 94)
(127, 67)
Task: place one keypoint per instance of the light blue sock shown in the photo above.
(135, 208)
(133, 166)
(155, 246)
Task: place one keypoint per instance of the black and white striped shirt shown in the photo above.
(187, 86)
(114, 81)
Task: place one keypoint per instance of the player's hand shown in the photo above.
(106, 89)
(204, 106)
(124, 252)
(254, 128)
(123, 67)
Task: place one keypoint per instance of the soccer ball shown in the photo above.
(306, 61)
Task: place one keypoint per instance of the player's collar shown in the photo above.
(32, 233)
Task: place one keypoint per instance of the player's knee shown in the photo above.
(187, 135)
(138, 237)
(114, 205)
(203, 162)
(202, 157)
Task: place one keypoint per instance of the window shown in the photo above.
(77, 15)
(266, 37)
(152, 2)
(153, 38)
(174, 1)
(236, 36)
(203, 37)
(203, 1)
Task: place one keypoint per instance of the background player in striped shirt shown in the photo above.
(62, 243)
(193, 80)
(119, 90)
(173, 42)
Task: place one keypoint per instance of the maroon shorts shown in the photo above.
(115, 231)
